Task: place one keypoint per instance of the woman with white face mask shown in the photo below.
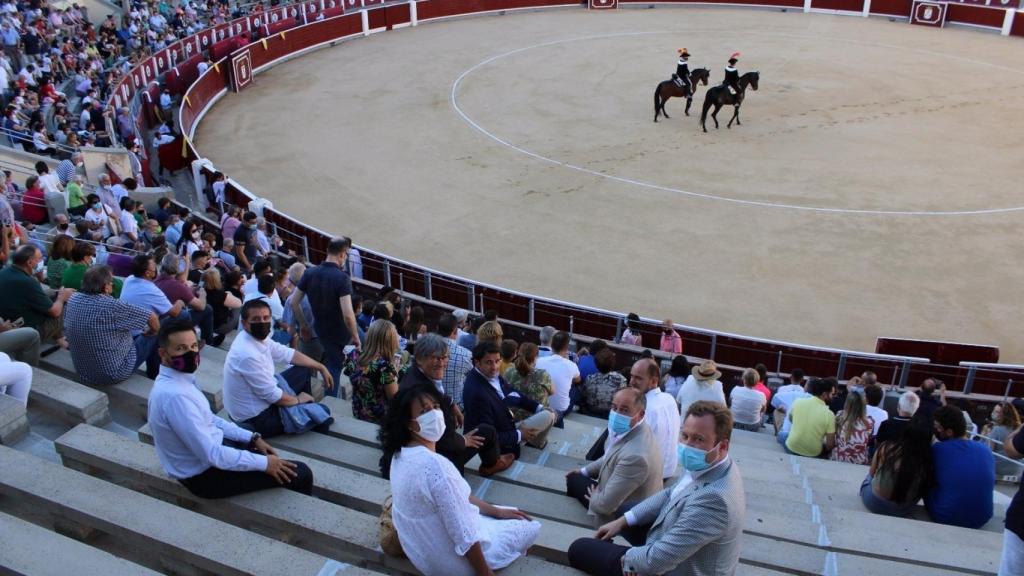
(442, 528)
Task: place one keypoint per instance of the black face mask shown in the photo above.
(187, 362)
(259, 330)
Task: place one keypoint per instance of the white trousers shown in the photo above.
(15, 378)
(1012, 563)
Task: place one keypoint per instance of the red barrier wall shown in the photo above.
(1018, 25)
(891, 7)
(978, 16)
(846, 5)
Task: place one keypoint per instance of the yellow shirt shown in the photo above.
(812, 420)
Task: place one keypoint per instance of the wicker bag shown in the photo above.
(388, 535)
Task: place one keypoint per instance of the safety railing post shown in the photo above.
(969, 385)
(401, 282)
(714, 345)
(530, 310)
(778, 364)
(427, 288)
(572, 323)
(482, 309)
(842, 367)
(619, 322)
(1006, 393)
(305, 249)
(387, 272)
(471, 289)
(904, 374)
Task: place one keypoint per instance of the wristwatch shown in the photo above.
(252, 441)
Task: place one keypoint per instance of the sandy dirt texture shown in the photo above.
(873, 189)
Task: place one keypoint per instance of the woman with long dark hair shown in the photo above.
(442, 528)
(902, 472)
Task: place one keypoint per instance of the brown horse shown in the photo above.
(669, 89)
(721, 96)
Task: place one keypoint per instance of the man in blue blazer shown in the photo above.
(488, 399)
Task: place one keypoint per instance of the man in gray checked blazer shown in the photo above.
(691, 528)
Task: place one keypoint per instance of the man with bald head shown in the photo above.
(662, 415)
(630, 469)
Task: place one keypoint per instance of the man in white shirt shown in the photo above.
(747, 404)
(252, 393)
(873, 394)
(210, 456)
(796, 383)
(783, 401)
(564, 375)
(662, 414)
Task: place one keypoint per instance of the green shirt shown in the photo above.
(73, 274)
(812, 420)
(55, 271)
(23, 297)
(75, 197)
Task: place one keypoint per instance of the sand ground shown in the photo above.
(817, 218)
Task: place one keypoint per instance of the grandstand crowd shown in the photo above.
(127, 287)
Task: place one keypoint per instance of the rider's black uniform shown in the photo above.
(732, 78)
(683, 72)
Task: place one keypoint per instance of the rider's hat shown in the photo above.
(683, 53)
(735, 55)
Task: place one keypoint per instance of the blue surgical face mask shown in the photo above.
(693, 459)
(618, 424)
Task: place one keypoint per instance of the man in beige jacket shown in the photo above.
(630, 469)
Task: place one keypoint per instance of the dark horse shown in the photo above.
(721, 96)
(669, 89)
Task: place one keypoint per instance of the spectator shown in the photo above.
(190, 439)
(662, 414)
(747, 404)
(83, 255)
(564, 374)
(509, 350)
(365, 316)
(21, 344)
(415, 326)
(102, 218)
(163, 213)
(547, 334)
(426, 375)
(245, 241)
(703, 384)
(460, 360)
(267, 292)
(933, 396)
(853, 431)
(783, 401)
(310, 347)
(109, 339)
(127, 223)
(813, 429)
(23, 295)
(172, 232)
(33, 202)
(59, 260)
(676, 376)
(631, 468)
(490, 331)
(199, 262)
(76, 197)
(191, 239)
(489, 400)
(893, 428)
(15, 379)
(1013, 535)
(902, 472)
(588, 363)
(375, 374)
(226, 306)
(226, 254)
(532, 382)
(671, 341)
(762, 380)
(679, 531)
(874, 395)
(140, 290)
(330, 297)
(442, 528)
(1005, 420)
(172, 283)
(600, 387)
(964, 474)
(631, 334)
(257, 398)
(48, 181)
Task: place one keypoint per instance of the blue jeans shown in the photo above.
(145, 352)
(874, 503)
(334, 360)
(202, 319)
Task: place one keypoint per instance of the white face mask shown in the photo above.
(431, 425)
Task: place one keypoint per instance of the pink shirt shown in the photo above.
(760, 387)
(672, 343)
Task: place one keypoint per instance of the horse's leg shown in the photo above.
(714, 115)
(663, 112)
(735, 114)
(689, 100)
(657, 101)
(738, 123)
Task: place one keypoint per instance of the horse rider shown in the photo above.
(732, 75)
(682, 75)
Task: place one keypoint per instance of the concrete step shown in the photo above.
(312, 523)
(67, 399)
(13, 420)
(176, 540)
(30, 549)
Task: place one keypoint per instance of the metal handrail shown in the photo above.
(997, 454)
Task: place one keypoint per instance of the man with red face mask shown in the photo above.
(210, 456)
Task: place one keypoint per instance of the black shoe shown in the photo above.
(217, 340)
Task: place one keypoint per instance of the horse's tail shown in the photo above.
(657, 99)
(709, 98)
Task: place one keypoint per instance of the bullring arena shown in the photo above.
(873, 188)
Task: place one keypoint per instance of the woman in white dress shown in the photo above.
(702, 384)
(442, 528)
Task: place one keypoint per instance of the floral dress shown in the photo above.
(369, 402)
(536, 386)
(853, 449)
(598, 390)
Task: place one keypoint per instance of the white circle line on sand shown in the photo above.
(652, 186)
